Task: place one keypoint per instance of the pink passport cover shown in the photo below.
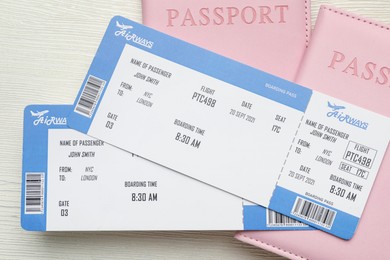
(349, 58)
(270, 35)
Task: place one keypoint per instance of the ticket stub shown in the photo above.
(252, 134)
(72, 181)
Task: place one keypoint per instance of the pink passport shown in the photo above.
(270, 35)
(348, 58)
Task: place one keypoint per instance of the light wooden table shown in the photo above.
(45, 50)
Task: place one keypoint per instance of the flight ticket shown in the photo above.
(304, 154)
(73, 182)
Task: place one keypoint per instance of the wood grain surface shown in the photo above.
(46, 48)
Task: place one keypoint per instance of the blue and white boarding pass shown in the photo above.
(274, 143)
(72, 181)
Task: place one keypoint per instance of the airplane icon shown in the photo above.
(39, 114)
(123, 27)
(334, 107)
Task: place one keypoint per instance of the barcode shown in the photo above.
(90, 95)
(275, 219)
(314, 213)
(34, 193)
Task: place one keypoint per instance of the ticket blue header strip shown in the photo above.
(344, 225)
(38, 119)
(255, 218)
(122, 31)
